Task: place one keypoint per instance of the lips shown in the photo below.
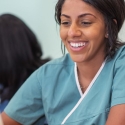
(77, 45)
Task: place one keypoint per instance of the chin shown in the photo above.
(77, 59)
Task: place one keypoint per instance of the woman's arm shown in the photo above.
(7, 120)
(116, 115)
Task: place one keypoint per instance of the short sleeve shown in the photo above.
(118, 88)
(26, 106)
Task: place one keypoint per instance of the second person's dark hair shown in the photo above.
(20, 52)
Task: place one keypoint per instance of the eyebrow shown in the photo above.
(82, 15)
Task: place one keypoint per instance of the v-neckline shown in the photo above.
(91, 83)
(80, 91)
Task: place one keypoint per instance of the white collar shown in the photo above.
(87, 90)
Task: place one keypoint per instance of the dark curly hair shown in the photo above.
(114, 15)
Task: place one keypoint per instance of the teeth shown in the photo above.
(77, 44)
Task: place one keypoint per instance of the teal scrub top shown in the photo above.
(53, 92)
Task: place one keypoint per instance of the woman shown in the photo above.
(20, 55)
(86, 86)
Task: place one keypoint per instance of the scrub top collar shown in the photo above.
(80, 91)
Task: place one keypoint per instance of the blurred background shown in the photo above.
(39, 16)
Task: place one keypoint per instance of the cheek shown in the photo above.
(95, 34)
(63, 34)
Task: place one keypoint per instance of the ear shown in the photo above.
(106, 32)
(106, 35)
(115, 21)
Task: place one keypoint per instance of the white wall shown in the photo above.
(122, 33)
(39, 16)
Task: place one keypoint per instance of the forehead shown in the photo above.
(78, 7)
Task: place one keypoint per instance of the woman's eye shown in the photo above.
(65, 23)
(86, 23)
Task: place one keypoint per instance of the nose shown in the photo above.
(74, 30)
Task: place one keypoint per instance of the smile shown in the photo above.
(77, 45)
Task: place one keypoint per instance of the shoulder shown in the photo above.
(116, 65)
(64, 60)
(120, 53)
(56, 65)
(117, 69)
(119, 57)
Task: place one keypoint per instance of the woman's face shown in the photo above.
(82, 31)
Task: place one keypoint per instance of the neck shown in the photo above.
(89, 68)
(87, 71)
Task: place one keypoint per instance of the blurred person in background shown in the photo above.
(20, 55)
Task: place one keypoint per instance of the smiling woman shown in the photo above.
(78, 33)
(85, 86)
